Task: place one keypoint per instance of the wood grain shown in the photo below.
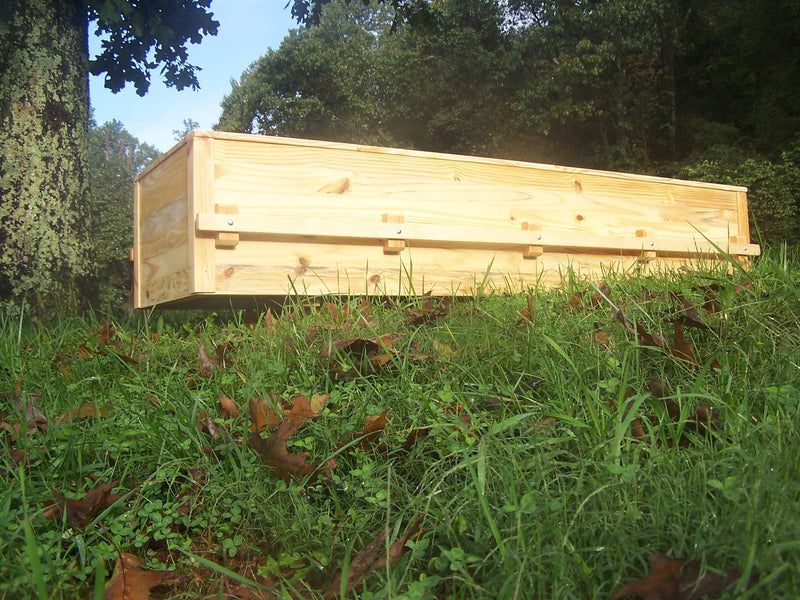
(318, 217)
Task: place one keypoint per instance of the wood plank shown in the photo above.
(201, 195)
(447, 236)
(161, 231)
(319, 217)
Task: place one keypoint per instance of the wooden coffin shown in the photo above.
(232, 215)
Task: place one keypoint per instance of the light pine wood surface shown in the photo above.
(235, 214)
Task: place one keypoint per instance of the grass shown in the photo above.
(557, 445)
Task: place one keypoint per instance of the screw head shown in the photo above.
(538, 236)
(398, 231)
(230, 222)
(652, 243)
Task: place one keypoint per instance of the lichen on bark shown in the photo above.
(44, 105)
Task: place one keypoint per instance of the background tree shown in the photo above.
(44, 123)
(115, 158)
(189, 125)
(359, 77)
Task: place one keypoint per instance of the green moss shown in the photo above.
(44, 105)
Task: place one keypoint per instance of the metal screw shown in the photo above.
(538, 236)
(398, 231)
(745, 248)
(230, 222)
(652, 243)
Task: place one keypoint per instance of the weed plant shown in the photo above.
(556, 445)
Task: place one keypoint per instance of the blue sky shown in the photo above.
(247, 29)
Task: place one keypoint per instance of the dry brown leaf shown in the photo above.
(676, 579)
(681, 348)
(89, 409)
(221, 355)
(206, 363)
(228, 408)
(429, 311)
(373, 426)
(104, 333)
(372, 557)
(261, 415)
(528, 313)
(367, 354)
(270, 321)
(273, 451)
(603, 338)
(131, 582)
(81, 512)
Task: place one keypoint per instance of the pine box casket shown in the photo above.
(236, 216)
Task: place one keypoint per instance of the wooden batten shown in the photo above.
(234, 215)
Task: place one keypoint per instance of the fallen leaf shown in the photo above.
(429, 311)
(676, 579)
(372, 557)
(262, 417)
(690, 313)
(88, 409)
(104, 333)
(373, 426)
(81, 512)
(414, 436)
(368, 355)
(270, 321)
(206, 363)
(545, 426)
(528, 312)
(131, 582)
(209, 425)
(603, 337)
(681, 348)
(228, 408)
(273, 450)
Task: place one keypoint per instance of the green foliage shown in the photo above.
(773, 187)
(632, 85)
(115, 157)
(354, 79)
(189, 125)
(137, 38)
(322, 83)
(529, 475)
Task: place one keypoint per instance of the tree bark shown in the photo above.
(44, 116)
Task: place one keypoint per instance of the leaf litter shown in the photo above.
(280, 419)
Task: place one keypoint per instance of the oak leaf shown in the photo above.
(261, 415)
(368, 355)
(681, 348)
(373, 426)
(86, 410)
(81, 512)
(227, 408)
(676, 579)
(273, 450)
(131, 582)
(429, 311)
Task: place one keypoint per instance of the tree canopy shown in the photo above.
(138, 37)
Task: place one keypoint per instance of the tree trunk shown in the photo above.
(44, 110)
